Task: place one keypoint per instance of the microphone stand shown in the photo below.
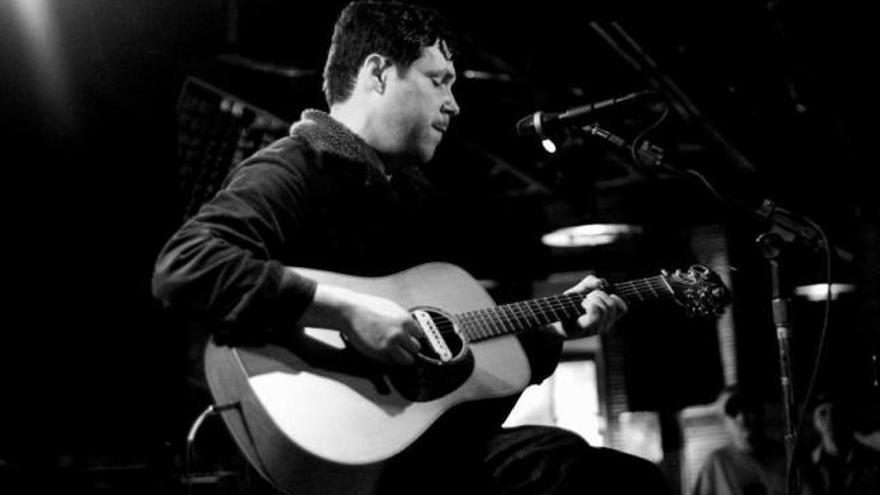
(785, 227)
(771, 247)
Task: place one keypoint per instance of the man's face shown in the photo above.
(824, 420)
(742, 425)
(420, 105)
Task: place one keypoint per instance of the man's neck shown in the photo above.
(351, 118)
(361, 123)
(357, 121)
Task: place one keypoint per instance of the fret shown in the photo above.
(645, 289)
(522, 318)
(545, 312)
(463, 322)
(485, 322)
(503, 319)
(628, 289)
(516, 317)
(573, 302)
(533, 307)
(533, 318)
(507, 323)
(554, 303)
(524, 315)
(470, 329)
(538, 315)
(670, 293)
(662, 291)
(639, 285)
(495, 321)
(541, 311)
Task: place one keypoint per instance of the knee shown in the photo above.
(626, 473)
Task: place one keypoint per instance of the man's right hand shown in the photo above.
(376, 327)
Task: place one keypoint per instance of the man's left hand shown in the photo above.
(602, 310)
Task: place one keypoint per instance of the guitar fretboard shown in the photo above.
(491, 322)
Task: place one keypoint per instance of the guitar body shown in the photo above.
(313, 416)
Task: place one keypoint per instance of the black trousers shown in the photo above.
(463, 454)
(535, 459)
(526, 460)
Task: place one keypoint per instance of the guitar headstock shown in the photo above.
(699, 290)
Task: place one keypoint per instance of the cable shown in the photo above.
(190, 439)
(820, 351)
(633, 147)
(191, 436)
(717, 194)
(791, 480)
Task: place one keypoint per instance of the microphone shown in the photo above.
(540, 123)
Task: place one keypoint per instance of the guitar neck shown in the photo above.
(520, 316)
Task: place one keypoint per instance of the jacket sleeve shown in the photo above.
(543, 350)
(223, 263)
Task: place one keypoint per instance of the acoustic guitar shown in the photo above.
(313, 416)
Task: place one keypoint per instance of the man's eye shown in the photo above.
(437, 82)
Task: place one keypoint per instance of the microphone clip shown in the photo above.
(647, 153)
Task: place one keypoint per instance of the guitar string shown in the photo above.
(509, 318)
(563, 301)
(527, 314)
(542, 306)
(522, 315)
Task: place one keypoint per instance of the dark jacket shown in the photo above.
(318, 199)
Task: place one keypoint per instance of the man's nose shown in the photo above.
(450, 106)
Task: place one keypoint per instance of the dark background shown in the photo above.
(91, 178)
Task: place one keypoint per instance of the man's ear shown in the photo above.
(375, 69)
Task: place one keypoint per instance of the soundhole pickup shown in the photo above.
(441, 341)
(444, 362)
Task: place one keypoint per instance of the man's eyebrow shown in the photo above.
(446, 74)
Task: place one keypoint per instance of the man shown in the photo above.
(344, 193)
(751, 463)
(839, 464)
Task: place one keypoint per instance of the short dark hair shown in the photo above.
(738, 400)
(392, 29)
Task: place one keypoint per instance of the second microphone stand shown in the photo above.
(784, 227)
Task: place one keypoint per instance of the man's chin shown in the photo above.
(425, 155)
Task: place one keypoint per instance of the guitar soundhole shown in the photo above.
(440, 340)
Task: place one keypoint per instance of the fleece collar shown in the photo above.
(327, 135)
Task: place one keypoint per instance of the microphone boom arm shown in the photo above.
(787, 225)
